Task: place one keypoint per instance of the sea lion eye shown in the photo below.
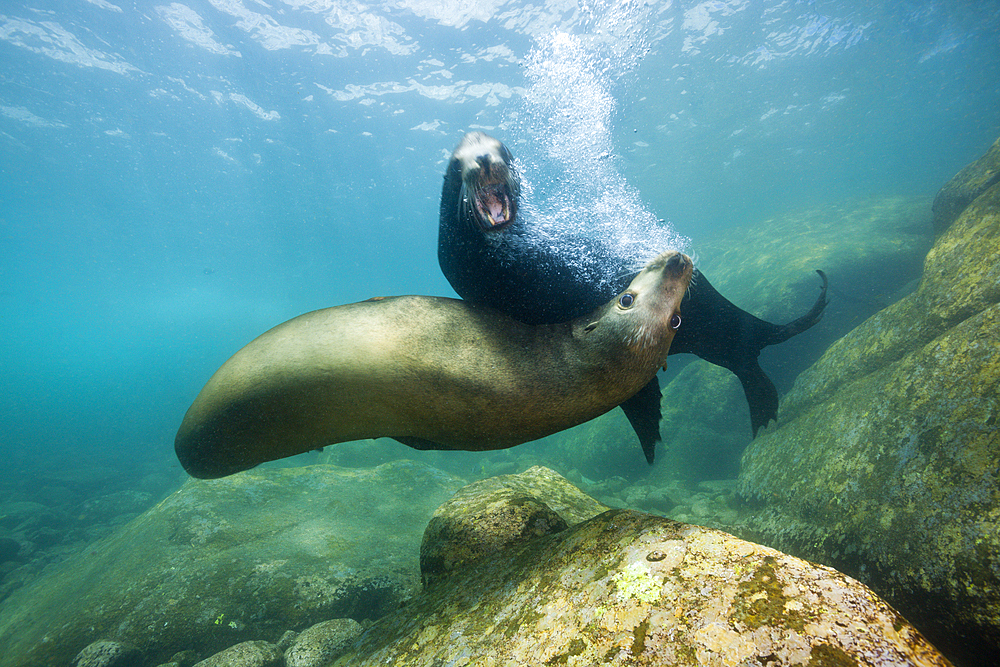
(626, 300)
(675, 322)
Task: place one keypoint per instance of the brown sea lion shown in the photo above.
(431, 372)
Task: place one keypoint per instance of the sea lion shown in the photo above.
(432, 372)
(490, 256)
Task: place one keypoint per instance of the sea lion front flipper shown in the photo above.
(643, 412)
(762, 397)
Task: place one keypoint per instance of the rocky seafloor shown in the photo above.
(316, 566)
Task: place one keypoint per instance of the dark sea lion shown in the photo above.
(434, 373)
(490, 256)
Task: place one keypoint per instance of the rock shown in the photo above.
(705, 427)
(105, 654)
(886, 460)
(493, 515)
(246, 654)
(627, 588)
(181, 659)
(106, 507)
(965, 187)
(287, 639)
(319, 645)
(8, 548)
(28, 516)
(223, 561)
(872, 250)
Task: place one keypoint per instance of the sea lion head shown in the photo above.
(646, 315)
(490, 186)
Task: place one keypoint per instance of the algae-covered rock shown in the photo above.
(105, 654)
(705, 426)
(241, 558)
(870, 250)
(319, 645)
(886, 461)
(495, 515)
(627, 588)
(965, 187)
(246, 654)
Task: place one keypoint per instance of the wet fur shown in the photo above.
(434, 373)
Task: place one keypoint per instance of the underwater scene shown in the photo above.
(497, 332)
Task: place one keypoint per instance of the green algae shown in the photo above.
(761, 601)
(825, 655)
(634, 582)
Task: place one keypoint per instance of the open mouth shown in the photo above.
(495, 209)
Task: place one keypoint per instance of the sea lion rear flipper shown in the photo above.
(761, 395)
(643, 412)
(724, 334)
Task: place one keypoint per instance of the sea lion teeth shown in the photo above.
(432, 372)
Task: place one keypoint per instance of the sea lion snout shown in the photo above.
(485, 164)
(490, 188)
(676, 263)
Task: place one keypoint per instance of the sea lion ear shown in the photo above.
(590, 327)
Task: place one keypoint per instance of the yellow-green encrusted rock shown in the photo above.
(965, 187)
(886, 459)
(627, 588)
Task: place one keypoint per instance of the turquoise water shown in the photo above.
(177, 178)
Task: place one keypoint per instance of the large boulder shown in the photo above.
(965, 187)
(886, 459)
(225, 561)
(491, 516)
(627, 588)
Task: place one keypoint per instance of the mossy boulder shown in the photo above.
(494, 515)
(225, 561)
(886, 459)
(965, 187)
(627, 588)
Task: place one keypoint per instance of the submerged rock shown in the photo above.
(886, 460)
(246, 654)
(494, 515)
(105, 654)
(965, 187)
(319, 645)
(246, 557)
(627, 588)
